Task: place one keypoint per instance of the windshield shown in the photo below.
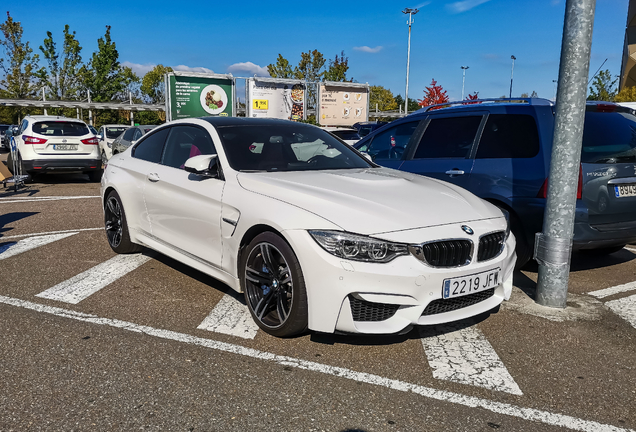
(286, 148)
(609, 137)
(114, 132)
(60, 128)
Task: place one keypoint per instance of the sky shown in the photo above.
(243, 37)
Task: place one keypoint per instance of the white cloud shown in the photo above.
(184, 68)
(463, 6)
(421, 5)
(367, 49)
(139, 69)
(249, 68)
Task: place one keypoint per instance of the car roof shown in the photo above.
(334, 128)
(247, 121)
(54, 118)
(114, 125)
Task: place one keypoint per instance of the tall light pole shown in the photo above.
(463, 79)
(555, 84)
(410, 13)
(512, 71)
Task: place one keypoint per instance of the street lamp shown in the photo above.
(410, 13)
(463, 79)
(555, 85)
(511, 73)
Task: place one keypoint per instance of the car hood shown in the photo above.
(372, 201)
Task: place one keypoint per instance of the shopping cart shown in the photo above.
(19, 177)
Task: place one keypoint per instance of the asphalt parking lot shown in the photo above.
(96, 341)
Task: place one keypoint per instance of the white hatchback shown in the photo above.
(314, 234)
(47, 144)
(106, 135)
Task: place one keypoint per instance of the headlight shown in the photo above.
(507, 216)
(357, 247)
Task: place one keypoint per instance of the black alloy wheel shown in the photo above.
(274, 286)
(116, 226)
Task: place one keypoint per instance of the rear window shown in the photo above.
(346, 135)
(609, 137)
(60, 128)
(114, 132)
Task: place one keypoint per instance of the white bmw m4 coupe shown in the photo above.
(314, 234)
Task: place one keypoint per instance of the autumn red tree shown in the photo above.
(433, 95)
(472, 97)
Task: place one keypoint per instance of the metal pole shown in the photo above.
(463, 79)
(132, 115)
(44, 99)
(410, 12)
(90, 111)
(555, 86)
(512, 71)
(553, 246)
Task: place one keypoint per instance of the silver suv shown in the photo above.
(48, 144)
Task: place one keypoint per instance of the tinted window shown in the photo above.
(60, 128)
(114, 132)
(25, 124)
(450, 137)
(185, 142)
(3, 128)
(151, 148)
(128, 135)
(286, 148)
(346, 134)
(509, 136)
(609, 137)
(137, 134)
(390, 143)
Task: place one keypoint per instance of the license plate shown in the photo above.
(65, 147)
(460, 286)
(626, 190)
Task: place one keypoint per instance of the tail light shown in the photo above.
(543, 192)
(605, 108)
(33, 140)
(90, 141)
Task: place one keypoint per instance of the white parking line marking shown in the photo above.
(7, 200)
(613, 290)
(529, 414)
(79, 287)
(631, 249)
(463, 355)
(51, 232)
(230, 317)
(12, 249)
(625, 308)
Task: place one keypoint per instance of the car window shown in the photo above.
(609, 137)
(151, 148)
(185, 142)
(286, 148)
(346, 134)
(390, 143)
(60, 128)
(24, 126)
(128, 136)
(113, 132)
(137, 134)
(448, 137)
(509, 136)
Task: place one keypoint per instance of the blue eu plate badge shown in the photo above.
(446, 288)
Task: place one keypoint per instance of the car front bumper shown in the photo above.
(334, 284)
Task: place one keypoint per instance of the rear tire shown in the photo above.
(117, 226)
(95, 176)
(523, 249)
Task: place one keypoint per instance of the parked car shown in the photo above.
(315, 235)
(365, 128)
(4, 138)
(106, 135)
(92, 129)
(501, 150)
(348, 135)
(129, 137)
(53, 144)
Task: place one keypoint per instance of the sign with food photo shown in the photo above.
(342, 104)
(276, 98)
(199, 95)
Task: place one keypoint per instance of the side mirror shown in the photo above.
(100, 137)
(203, 165)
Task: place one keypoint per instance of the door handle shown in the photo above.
(153, 177)
(455, 171)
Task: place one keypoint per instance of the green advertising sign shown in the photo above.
(200, 95)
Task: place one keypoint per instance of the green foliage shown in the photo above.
(62, 74)
(337, 70)
(19, 66)
(628, 94)
(153, 85)
(524, 95)
(280, 69)
(413, 104)
(383, 98)
(603, 87)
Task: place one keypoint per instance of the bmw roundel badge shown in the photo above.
(468, 230)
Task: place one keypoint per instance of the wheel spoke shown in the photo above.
(266, 253)
(281, 306)
(257, 277)
(263, 305)
(113, 206)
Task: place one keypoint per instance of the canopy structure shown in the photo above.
(78, 104)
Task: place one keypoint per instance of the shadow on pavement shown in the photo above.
(12, 217)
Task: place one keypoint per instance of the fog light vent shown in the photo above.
(363, 310)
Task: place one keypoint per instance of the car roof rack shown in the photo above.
(529, 101)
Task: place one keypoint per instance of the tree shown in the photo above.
(413, 104)
(628, 94)
(62, 73)
(310, 69)
(19, 66)
(280, 69)
(472, 97)
(524, 95)
(433, 95)
(153, 85)
(338, 68)
(603, 87)
(382, 98)
(534, 94)
(103, 75)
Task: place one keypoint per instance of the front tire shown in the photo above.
(274, 286)
(117, 226)
(95, 176)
